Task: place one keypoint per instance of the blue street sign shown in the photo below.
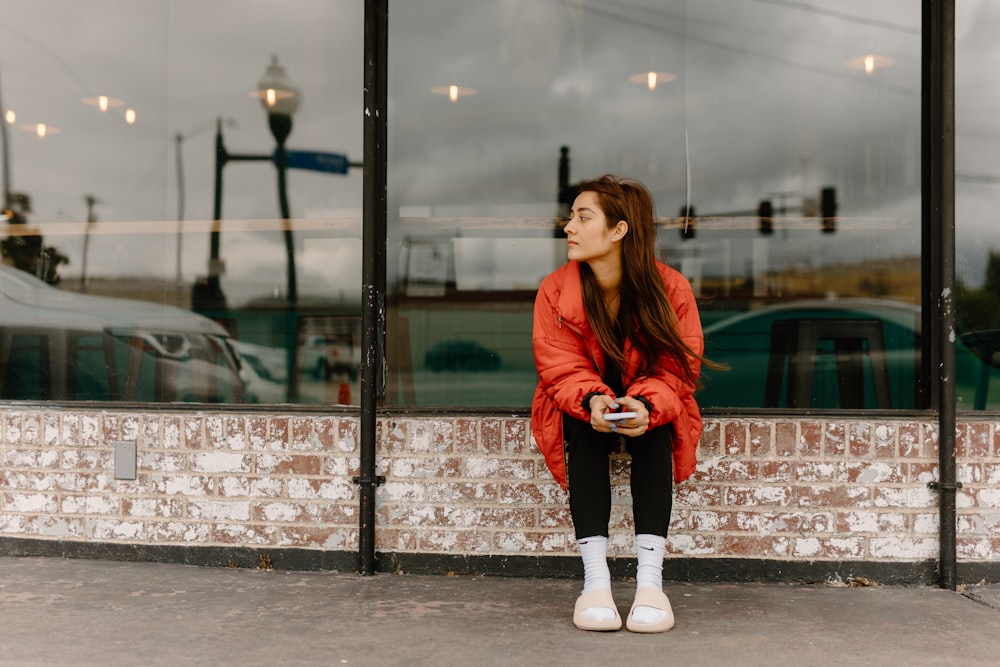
(332, 163)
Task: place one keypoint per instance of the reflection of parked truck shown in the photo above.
(57, 345)
(326, 357)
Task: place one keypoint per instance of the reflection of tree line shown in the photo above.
(979, 309)
(24, 247)
(897, 278)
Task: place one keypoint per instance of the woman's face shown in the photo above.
(590, 239)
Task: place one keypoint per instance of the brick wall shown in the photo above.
(785, 490)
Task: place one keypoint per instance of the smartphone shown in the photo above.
(615, 416)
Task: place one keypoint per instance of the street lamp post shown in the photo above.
(280, 98)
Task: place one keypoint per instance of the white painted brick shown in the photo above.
(31, 503)
(926, 524)
(280, 512)
(12, 432)
(50, 431)
(875, 473)
(988, 498)
(706, 521)
(339, 466)
(128, 530)
(979, 550)
(903, 548)
(689, 546)
(90, 431)
(219, 462)
(219, 511)
(969, 473)
(992, 474)
(400, 491)
(339, 541)
(187, 485)
(30, 430)
(807, 547)
(130, 428)
(874, 522)
(917, 497)
(55, 526)
(12, 524)
(314, 490)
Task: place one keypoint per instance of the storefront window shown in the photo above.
(977, 194)
(115, 282)
(785, 135)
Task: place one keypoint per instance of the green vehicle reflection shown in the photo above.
(846, 366)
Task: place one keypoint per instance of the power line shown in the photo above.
(844, 16)
(986, 179)
(731, 48)
(49, 52)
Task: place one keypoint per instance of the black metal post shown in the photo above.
(7, 199)
(373, 267)
(209, 297)
(281, 127)
(938, 185)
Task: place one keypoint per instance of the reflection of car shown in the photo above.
(57, 345)
(325, 357)
(461, 355)
(261, 375)
(743, 342)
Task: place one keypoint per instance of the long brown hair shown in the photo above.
(650, 320)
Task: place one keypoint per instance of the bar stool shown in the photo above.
(797, 341)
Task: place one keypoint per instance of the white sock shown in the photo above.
(650, 550)
(596, 574)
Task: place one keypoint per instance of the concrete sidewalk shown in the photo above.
(80, 612)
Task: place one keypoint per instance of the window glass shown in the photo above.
(977, 194)
(130, 127)
(781, 142)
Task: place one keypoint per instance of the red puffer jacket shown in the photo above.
(570, 365)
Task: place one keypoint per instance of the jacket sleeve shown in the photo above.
(567, 369)
(666, 390)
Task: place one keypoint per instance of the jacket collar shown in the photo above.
(570, 303)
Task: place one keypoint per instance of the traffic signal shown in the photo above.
(765, 217)
(687, 224)
(828, 209)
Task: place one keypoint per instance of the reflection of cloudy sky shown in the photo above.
(762, 104)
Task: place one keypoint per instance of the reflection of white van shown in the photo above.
(324, 357)
(57, 345)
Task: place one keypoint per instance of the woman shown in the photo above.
(614, 329)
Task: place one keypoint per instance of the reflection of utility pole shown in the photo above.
(179, 139)
(91, 219)
(6, 157)
(564, 201)
(179, 151)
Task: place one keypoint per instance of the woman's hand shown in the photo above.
(602, 404)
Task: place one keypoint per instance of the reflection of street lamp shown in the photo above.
(280, 98)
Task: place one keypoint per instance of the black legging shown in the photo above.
(589, 475)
